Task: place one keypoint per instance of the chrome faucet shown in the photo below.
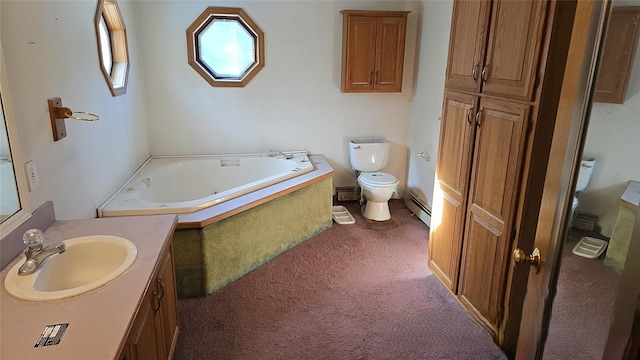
(36, 254)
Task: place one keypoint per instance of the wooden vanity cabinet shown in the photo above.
(155, 329)
(373, 50)
(494, 47)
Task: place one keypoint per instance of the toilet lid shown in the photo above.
(377, 179)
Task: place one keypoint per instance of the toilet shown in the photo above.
(368, 157)
(584, 174)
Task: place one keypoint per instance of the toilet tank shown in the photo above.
(368, 155)
(584, 173)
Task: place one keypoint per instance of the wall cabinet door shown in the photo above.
(513, 49)
(469, 25)
(617, 58)
(373, 50)
(498, 155)
(453, 168)
(495, 52)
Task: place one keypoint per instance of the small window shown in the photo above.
(225, 46)
(112, 46)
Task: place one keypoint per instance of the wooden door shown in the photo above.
(453, 168)
(549, 229)
(359, 53)
(515, 38)
(466, 45)
(498, 156)
(389, 53)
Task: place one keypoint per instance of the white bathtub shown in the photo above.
(176, 185)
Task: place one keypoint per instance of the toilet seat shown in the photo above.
(377, 179)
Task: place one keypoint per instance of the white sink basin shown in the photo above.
(88, 263)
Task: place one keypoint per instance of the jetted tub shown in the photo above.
(176, 185)
(250, 219)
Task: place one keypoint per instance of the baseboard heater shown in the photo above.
(418, 208)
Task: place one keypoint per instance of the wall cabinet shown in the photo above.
(155, 329)
(618, 55)
(494, 47)
(495, 51)
(373, 45)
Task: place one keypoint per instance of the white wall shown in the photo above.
(50, 51)
(294, 103)
(613, 139)
(426, 108)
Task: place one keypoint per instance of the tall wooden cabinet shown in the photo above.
(493, 69)
(373, 50)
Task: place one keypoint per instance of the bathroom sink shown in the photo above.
(88, 263)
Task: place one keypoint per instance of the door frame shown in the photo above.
(551, 224)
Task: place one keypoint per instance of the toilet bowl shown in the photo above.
(377, 189)
(368, 157)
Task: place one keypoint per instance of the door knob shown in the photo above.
(519, 257)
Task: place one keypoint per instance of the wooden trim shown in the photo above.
(552, 210)
(552, 67)
(199, 219)
(205, 18)
(116, 80)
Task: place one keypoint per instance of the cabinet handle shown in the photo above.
(474, 72)
(156, 302)
(161, 287)
(478, 117)
(485, 73)
(377, 75)
(470, 115)
(371, 78)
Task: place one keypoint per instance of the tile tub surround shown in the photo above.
(221, 244)
(98, 320)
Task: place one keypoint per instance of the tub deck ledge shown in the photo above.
(199, 219)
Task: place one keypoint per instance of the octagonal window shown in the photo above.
(113, 54)
(225, 46)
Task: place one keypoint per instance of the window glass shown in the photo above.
(225, 46)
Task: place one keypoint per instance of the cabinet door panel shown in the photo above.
(169, 309)
(390, 54)
(617, 58)
(143, 340)
(499, 148)
(453, 166)
(359, 53)
(467, 43)
(515, 39)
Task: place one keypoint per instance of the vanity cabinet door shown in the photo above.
(168, 312)
(143, 339)
(155, 330)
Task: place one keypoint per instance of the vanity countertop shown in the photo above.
(98, 320)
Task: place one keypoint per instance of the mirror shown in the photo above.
(9, 202)
(14, 208)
